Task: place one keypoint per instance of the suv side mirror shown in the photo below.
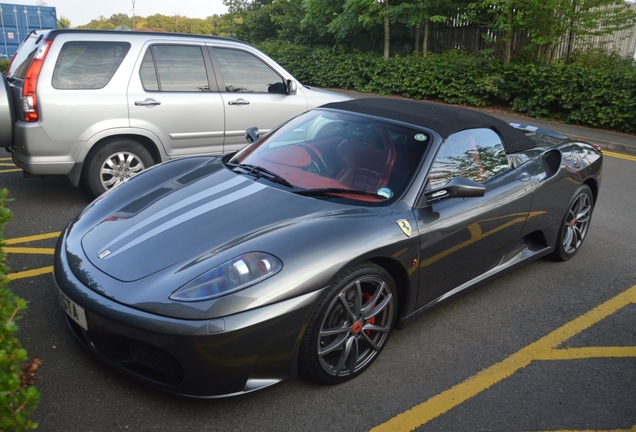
(291, 87)
(252, 135)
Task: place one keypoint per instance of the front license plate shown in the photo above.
(73, 310)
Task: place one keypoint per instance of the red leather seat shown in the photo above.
(366, 162)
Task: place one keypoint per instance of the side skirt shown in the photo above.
(507, 264)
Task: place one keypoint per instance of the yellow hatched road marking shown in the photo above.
(7, 162)
(543, 349)
(30, 251)
(32, 238)
(30, 273)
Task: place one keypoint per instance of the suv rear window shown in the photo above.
(88, 65)
(24, 55)
(174, 68)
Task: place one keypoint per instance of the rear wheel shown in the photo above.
(351, 326)
(575, 225)
(115, 162)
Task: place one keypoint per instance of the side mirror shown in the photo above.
(291, 87)
(456, 188)
(252, 135)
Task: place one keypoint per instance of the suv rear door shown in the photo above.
(173, 94)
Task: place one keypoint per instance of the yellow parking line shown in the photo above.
(10, 170)
(619, 155)
(541, 349)
(30, 273)
(633, 429)
(30, 251)
(32, 238)
(589, 352)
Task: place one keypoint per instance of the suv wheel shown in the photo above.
(116, 161)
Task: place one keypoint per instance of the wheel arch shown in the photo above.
(145, 141)
(401, 279)
(79, 169)
(593, 184)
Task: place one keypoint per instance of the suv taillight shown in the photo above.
(29, 99)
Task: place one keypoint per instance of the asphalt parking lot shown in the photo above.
(548, 347)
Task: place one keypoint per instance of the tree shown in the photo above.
(64, 22)
(548, 23)
(421, 13)
(345, 17)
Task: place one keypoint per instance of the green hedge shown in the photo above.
(4, 65)
(18, 397)
(597, 90)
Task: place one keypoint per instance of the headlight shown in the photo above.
(232, 275)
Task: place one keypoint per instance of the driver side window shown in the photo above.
(244, 73)
(474, 154)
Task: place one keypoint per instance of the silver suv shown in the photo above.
(100, 106)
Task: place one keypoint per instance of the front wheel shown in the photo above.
(351, 325)
(115, 162)
(575, 225)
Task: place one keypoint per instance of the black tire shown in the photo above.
(575, 224)
(351, 325)
(115, 161)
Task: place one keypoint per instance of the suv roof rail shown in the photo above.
(51, 34)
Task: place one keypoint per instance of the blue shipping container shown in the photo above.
(17, 21)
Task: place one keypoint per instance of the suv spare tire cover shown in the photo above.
(7, 118)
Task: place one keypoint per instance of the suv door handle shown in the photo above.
(147, 102)
(239, 101)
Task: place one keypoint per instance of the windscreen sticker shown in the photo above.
(385, 192)
(420, 137)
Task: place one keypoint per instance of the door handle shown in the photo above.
(239, 101)
(147, 102)
(524, 177)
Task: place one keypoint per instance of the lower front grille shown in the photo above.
(140, 358)
(155, 359)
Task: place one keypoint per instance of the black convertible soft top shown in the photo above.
(443, 119)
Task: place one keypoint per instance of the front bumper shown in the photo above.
(220, 357)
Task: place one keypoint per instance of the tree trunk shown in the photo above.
(416, 47)
(508, 40)
(387, 33)
(427, 23)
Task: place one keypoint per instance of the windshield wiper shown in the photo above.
(331, 191)
(259, 172)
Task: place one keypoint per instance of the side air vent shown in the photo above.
(551, 162)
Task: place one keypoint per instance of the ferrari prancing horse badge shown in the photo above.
(405, 226)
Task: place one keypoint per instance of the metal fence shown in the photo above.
(472, 38)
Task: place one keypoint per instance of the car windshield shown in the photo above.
(331, 153)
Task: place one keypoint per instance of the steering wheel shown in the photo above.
(318, 165)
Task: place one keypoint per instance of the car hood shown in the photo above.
(184, 221)
(317, 96)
